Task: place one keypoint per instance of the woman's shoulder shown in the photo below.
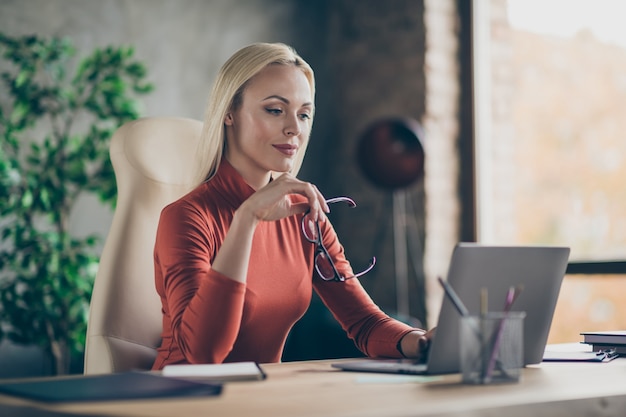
(197, 200)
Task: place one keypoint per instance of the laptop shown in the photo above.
(540, 269)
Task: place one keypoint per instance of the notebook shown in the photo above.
(120, 386)
(607, 337)
(220, 372)
(540, 269)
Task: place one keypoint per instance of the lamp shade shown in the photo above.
(390, 153)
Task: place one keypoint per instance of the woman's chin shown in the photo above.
(283, 167)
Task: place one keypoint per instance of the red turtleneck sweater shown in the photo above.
(210, 318)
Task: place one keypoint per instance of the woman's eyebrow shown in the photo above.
(281, 98)
(285, 100)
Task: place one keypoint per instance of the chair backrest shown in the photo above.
(153, 163)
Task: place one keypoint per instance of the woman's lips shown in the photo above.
(286, 149)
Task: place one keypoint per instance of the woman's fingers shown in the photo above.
(272, 203)
(424, 342)
(316, 202)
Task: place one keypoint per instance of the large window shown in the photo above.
(550, 100)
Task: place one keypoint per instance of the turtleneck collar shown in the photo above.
(230, 184)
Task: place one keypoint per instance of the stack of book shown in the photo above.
(615, 339)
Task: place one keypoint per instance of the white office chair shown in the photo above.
(153, 162)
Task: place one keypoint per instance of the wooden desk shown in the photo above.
(316, 389)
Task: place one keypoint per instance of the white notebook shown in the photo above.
(235, 371)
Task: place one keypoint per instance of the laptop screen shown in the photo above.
(539, 269)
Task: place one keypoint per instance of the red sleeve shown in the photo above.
(205, 307)
(374, 332)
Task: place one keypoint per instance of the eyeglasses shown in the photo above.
(323, 263)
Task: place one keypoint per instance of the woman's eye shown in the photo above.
(305, 116)
(274, 111)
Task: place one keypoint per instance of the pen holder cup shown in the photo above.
(492, 347)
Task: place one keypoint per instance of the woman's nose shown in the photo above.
(292, 127)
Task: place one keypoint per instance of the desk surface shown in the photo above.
(315, 389)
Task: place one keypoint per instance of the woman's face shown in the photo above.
(273, 121)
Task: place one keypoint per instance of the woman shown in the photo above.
(234, 259)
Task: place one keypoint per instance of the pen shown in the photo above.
(511, 296)
(456, 301)
(484, 310)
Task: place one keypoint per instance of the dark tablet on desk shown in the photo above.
(120, 386)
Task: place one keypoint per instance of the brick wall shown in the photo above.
(397, 59)
(442, 159)
(377, 52)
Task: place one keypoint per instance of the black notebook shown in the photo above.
(609, 337)
(120, 386)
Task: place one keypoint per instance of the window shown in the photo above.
(550, 94)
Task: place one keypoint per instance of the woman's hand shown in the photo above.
(272, 201)
(416, 344)
(268, 203)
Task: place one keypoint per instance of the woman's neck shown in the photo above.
(256, 179)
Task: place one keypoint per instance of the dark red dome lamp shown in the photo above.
(391, 156)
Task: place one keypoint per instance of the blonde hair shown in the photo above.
(227, 94)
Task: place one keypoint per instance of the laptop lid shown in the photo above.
(540, 269)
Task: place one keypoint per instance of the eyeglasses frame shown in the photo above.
(320, 249)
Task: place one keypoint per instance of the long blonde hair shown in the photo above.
(227, 94)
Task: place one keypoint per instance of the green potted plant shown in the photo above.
(57, 114)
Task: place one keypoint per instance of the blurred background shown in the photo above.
(519, 113)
